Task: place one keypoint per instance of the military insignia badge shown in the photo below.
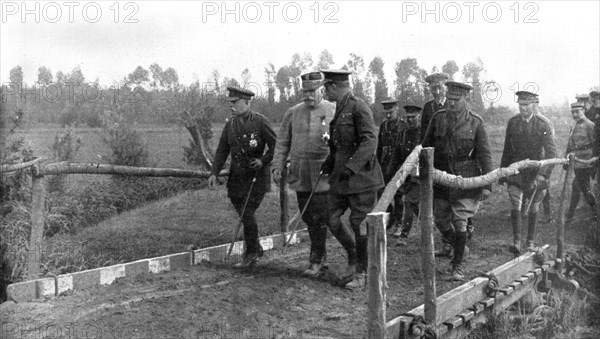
(323, 120)
(253, 143)
(325, 137)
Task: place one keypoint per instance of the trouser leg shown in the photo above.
(337, 205)
(361, 204)
(316, 217)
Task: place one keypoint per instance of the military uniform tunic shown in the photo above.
(245, 138)
(461, 148)
(389, 130)
(429, 109)
(532, 140)
(353, 145)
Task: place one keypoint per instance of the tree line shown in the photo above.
(155, 94)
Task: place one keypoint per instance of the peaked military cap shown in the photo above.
(236, 93)
(437, 78)
(311, 81)
(412, 110)
(526, 97)
(577, 105)
(457, 89)
(595, 95)
(335, 75)
(583, 97)
(389, 104)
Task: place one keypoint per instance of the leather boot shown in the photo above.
(448, 240)
(361, 253)
(515, 219)
(532, 223)
(459, 250)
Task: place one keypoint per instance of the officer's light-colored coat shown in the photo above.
(303, 138)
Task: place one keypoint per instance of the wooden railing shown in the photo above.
(420, 164)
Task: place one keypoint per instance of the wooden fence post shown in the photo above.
(284, 201)
(376, 274)
(426, 222)
(38, 191)
(560, 234)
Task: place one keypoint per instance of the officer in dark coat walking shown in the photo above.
(529, 135)
(436, 83)
(461, 148)
(389, 130)
(354, 172)
(250, 141)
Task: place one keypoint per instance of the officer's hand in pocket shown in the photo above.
(256, 164)
(277, 176)
(485, 193)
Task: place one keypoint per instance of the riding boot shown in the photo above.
(459, 250)
(575, 197)
(515, 219)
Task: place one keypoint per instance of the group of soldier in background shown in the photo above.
(337, 160)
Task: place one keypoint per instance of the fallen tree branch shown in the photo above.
(91, 168)
(23, 165)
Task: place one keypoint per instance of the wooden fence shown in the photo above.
(446, 315)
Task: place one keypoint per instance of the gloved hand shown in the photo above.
(540, 180)
(256, 164)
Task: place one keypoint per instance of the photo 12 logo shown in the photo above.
(68, 12)
(270, 11)
(469, 11)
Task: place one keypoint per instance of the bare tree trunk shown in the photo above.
(200, 147)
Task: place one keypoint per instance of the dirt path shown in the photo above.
(213, 301)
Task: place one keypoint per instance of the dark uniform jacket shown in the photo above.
(535, 141)
(352, 145)
(245, 138)
(429, 108)
(406, 142)
(461, 148)
(581, 141)
(387, 141)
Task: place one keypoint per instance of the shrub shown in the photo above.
(127, 145)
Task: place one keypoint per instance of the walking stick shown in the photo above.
(531, 200)
(239, 225)
(286, 241)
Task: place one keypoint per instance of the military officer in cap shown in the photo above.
(529, 135)
(436, 83)
(303, 138)
(461, 148)
(581, 143)
(584, 99)
(250, 141)
(354, 172)
(405, 143)
(595, 98)
(389, 130)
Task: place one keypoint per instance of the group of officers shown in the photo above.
(336, 159)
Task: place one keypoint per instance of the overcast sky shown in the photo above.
(554, 44)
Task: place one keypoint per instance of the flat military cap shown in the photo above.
(437, 78)
(526, 97)
(457, 89)
(576, 106)
(595, 95)
(582, 97)
(236, 93)
(311, 81)
(389, 105)
(412, 110)
(335, 75)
